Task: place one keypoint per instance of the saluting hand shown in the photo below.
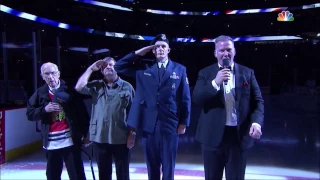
(145, 50)
(97, 65)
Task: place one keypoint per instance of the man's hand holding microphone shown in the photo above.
(224, 74)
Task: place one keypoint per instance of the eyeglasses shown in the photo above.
(47, 74)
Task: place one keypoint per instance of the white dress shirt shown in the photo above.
(164, 62)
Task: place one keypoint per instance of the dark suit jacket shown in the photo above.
(167, 100)
(249, 105)
(77, 115)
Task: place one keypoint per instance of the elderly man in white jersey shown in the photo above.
(64, 123)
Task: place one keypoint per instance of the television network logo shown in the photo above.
(285, 16)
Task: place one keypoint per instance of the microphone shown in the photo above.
(225, 64)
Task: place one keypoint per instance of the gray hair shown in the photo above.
(109, 59)
(48, 64)
(223, 38)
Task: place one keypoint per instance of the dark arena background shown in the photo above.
(284, 52)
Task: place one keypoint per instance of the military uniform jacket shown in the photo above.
(167, 100)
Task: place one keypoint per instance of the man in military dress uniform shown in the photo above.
(161, 106)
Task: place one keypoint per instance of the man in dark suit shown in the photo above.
(161, 106)
(64, 123)
(232, 113)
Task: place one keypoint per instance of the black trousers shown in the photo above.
(228, 156)
(106, 153)
(71, 156)
(160, 150)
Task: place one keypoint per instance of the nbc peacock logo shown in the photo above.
(285, 16)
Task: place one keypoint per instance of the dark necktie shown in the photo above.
(161, 71)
